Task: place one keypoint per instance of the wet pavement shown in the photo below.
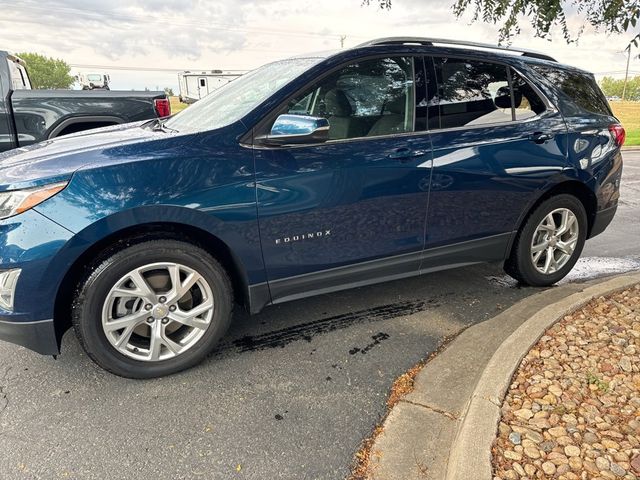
(290, 393)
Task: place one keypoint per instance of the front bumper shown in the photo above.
(602, 220)
(39, 336)
(33, 243)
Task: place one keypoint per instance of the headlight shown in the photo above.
(18, 201)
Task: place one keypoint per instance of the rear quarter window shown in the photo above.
(581, 88)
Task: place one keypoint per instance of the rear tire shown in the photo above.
(152, 309)
(549, 243)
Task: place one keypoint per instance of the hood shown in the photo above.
(57, 159)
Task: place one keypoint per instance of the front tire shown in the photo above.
(152, 309)
(549, 243)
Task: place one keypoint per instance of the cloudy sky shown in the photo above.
(149, 41)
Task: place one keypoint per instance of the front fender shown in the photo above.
(244, 246)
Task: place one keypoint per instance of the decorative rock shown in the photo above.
(532, 452)
(547, 446)
(572, 451)
(575, 463)
(602, 464)
(548, 468)
(519, 470)
(515, 438)
(523, 413)
(572, 411)
(606, 443)
(511, 455)
(617, 470)
(625, 364)
(534, 436)
(556, 390)
(510, 475)
(557, 431)
(590, 466)
(590, 437)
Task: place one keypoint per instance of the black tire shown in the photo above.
(520, 266)
(92, 293)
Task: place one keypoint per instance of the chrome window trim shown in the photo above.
(550, 108)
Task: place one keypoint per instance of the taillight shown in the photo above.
(163, 107)
(618, 133)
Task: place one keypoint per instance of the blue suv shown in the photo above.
(399, 157)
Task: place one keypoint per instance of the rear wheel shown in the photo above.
(550, 242)
(153, 309)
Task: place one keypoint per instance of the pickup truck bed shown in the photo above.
(30, 116)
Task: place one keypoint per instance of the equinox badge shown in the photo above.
(304, 236)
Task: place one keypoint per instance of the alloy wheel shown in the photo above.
(157, 311)
(554, 241)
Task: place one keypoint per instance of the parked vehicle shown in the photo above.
(195, 85)
(30, 116)
(399, 157)
(94, 81)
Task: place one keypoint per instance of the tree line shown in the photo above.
(613, 87)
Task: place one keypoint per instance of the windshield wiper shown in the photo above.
(161, 127)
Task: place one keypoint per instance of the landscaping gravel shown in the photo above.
(573, 409)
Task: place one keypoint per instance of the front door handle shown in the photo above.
(406, 153)
(540, 137)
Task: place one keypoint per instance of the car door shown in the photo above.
(496, 141)
(352, 210)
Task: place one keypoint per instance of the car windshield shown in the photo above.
(234, 100)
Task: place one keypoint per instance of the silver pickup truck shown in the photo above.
(29, 116)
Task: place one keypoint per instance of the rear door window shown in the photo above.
(471, 92)
(581, 88)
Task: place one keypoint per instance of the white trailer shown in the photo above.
(196, 85)
(93, 80)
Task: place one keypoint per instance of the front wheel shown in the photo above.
(153, 308)
(550, 242)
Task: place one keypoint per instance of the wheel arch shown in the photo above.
(572, 187)
(75, 124)
(138, 233)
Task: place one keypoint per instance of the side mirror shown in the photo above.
(298, 129)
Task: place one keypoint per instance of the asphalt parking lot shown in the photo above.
(290, 394)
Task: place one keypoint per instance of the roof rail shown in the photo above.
(461, 43)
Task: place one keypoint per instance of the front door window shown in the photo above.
(367, 98)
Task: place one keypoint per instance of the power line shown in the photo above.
(150, 69)
(155, 20)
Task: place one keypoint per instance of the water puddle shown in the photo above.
(586, 268)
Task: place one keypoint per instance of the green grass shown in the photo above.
(176, 105)
(629, 115)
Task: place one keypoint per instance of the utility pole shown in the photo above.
(626, 73)
(344, 37)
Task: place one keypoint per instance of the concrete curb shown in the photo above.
(470, 455)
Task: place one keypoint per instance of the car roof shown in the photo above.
(452, 47)
(432, 42)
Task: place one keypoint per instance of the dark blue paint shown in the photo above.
(286, 212)
(487, 175)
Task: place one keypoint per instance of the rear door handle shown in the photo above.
(540, 137)
(406, 153)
